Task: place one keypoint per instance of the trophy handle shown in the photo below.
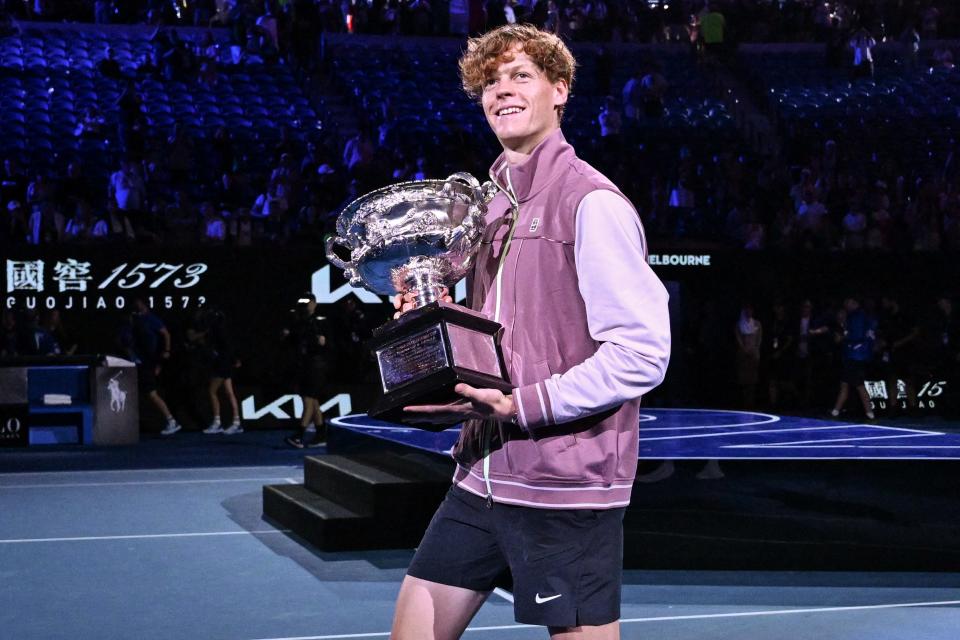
(465, 178)
(334, 259)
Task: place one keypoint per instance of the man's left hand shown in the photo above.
(475, 403)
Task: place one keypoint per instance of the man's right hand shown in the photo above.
(404, 302)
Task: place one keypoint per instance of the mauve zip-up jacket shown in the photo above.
(578, 373)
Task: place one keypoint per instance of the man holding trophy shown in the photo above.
(568, 329)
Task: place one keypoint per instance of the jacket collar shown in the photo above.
(536, 172)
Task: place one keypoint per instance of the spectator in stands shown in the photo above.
(358, 152)
(91, 124)
(8, 334)
(8, 26)
(780, 348)
(862, 44)
(34, 339)
(857, 335)
(553, 18)
(682, 197)
(854, 229)
(748, 333)
(271, 204)
(945, 330)
(214, 224)
(813, 220)
(40, 191)
(45, 225)
(633, 96)
(899, 339)
(13, 182)
(929, 21)
(713, 27)
(809, 352)
(109, 67)
(15, 225)
(204, 11)
(269, 28)
(180, 156)
(132, 122)
(836, 43)
(653, 88)
(79, 227)
(126, 191)
(910, 43)
(943, 59)
(52, 322)
(611, 122)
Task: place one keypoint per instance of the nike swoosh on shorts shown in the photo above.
(542, 600)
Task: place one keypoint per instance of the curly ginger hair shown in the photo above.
(487, 52)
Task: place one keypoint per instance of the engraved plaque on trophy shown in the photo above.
(420, 237)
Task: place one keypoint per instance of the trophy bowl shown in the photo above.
(421, 237)
(412, 236)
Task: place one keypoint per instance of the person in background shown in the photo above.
(307, 332)
(749, 336)
(858, 335)
(146, 341)
(221, 362)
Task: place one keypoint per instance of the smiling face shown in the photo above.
(520, 102)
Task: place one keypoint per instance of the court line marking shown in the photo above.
(709, 426)
(152, 470)
(815, 443)
(503, 593)
(726, 434)
(891, 428)
(701, 616)
(148, 536)
(654, 456)
(769, 419)
(61, 485)
(916, 446)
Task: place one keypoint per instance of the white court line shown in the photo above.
(702, 616)
(727, 434)
(779, 458)
(138, 483)
(822, 443)
(156, 470)
(503, 593)
(907, 429)
(770, 418)
(915, 446)
(728, 411)
(147, 536)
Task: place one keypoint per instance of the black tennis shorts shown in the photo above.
(566, 565)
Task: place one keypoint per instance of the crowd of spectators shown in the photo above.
(829, 356)
(823, 194)
(579, 20)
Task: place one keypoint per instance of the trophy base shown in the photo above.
(425, 353)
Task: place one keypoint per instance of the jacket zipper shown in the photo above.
(488, 424)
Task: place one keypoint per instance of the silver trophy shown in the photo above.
(421, 237)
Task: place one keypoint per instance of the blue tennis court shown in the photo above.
(182, 552)
(727, 435)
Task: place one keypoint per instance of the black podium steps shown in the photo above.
(360, 502)
(324, 523)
